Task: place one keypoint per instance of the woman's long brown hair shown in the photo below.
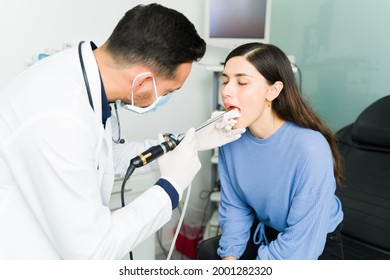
(290, 105)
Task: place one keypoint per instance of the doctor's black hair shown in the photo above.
(155, 36)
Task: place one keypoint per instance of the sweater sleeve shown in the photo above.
(235, 217)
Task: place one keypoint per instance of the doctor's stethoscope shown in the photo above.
(119, 140)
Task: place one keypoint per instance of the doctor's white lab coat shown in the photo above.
(56, 169)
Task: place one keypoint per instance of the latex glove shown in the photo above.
(180, 165)
(219, 133)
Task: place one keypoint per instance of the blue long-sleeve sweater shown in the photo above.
(287, 182)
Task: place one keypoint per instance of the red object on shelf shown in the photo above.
(188, 239)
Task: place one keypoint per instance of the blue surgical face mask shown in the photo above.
(160, 100)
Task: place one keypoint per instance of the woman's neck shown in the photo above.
(266, 126)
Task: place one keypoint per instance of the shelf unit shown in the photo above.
(212, 227)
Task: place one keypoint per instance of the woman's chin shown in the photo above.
(239, 125)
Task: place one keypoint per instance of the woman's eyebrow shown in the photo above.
(238, 75)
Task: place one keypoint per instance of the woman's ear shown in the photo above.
(275, 90)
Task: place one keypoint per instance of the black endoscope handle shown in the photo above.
(149, 155)
(154, 152)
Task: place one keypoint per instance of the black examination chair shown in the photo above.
(365, 194)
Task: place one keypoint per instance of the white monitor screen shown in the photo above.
(230, 23)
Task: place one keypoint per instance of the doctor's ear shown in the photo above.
(140, 78)
(275, 90)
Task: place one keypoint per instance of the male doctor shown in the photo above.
(56, 160)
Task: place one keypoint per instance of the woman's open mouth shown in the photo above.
(230, 107)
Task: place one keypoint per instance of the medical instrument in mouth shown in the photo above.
(206, 123)
(154, 152)
(171, 141)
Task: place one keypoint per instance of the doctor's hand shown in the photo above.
(180, 165)
(220, 132)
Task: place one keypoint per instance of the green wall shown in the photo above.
(343, 50)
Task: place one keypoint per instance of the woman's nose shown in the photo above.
(226, 91)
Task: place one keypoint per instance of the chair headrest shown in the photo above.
(372, 127)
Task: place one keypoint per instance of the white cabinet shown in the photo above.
(136, 185)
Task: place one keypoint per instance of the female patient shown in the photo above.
(278, 181)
